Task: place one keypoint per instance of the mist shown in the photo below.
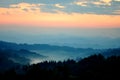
(74, 37)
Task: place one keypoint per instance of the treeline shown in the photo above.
(95, 67)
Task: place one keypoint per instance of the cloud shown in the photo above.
(117, 0)
(21, 8)
(16, 14)
(97, 3)
(59, 6)
(99, 7)
(103, 2)
(27, 6)
(81, 3)
(31, 14)
(107, 2)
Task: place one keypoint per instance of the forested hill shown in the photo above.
(94, 67)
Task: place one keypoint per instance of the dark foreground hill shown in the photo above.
(94, 67)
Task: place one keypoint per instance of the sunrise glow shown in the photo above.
(31, 14)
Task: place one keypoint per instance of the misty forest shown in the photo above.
(49, 62)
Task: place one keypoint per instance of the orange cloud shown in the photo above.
(106, 1)
(103, 2)
(81, 3)
(17, 15)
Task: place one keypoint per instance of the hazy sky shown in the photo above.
(20, 19)
(61, 13)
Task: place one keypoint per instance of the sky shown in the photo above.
(61, 13)
(20, 19)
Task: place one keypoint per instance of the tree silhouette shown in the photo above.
(94, 67)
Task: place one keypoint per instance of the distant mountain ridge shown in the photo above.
(12, 54)
(46, 47)
(9, 45)
(52, 50)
